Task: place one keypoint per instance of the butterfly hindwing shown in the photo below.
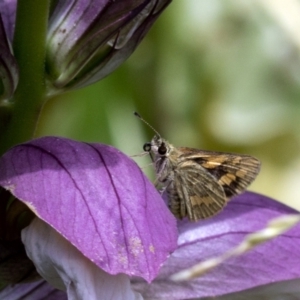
(198, 193)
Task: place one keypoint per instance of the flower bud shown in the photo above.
(9, 73)
(87, 40)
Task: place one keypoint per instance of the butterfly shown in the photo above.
(199, 183)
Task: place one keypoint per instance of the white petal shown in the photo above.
(64, 267)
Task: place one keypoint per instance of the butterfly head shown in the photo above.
(157, 146)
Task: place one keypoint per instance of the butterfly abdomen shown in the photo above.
(175, 204)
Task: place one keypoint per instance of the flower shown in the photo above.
(79, 188)
(97, 213)
(86, 39)
(261, 272)
(9, 73)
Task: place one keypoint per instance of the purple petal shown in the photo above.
(97, 198)
(274, 261)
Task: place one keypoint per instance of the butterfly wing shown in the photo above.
(233, 172)
(195, 193)
(204, 181)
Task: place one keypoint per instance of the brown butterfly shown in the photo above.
(199, 183)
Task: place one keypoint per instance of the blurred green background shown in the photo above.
(220, 75)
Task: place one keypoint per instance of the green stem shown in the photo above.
(29, 49)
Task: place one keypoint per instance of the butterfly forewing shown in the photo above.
(232, 171)
(204, 181)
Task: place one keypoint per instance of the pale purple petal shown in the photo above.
(283, 290)
(97, 198)
(32, 291)
(275, 261)
(65, 268)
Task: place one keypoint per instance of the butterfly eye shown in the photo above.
(162, 150)
(147, 147)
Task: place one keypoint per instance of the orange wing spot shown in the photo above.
(241, 173)
(214, 161)
(236, 161)
(227, 179)
(196, 200)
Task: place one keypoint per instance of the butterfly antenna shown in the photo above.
(140, 117)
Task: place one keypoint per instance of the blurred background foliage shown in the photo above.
(220, 75)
